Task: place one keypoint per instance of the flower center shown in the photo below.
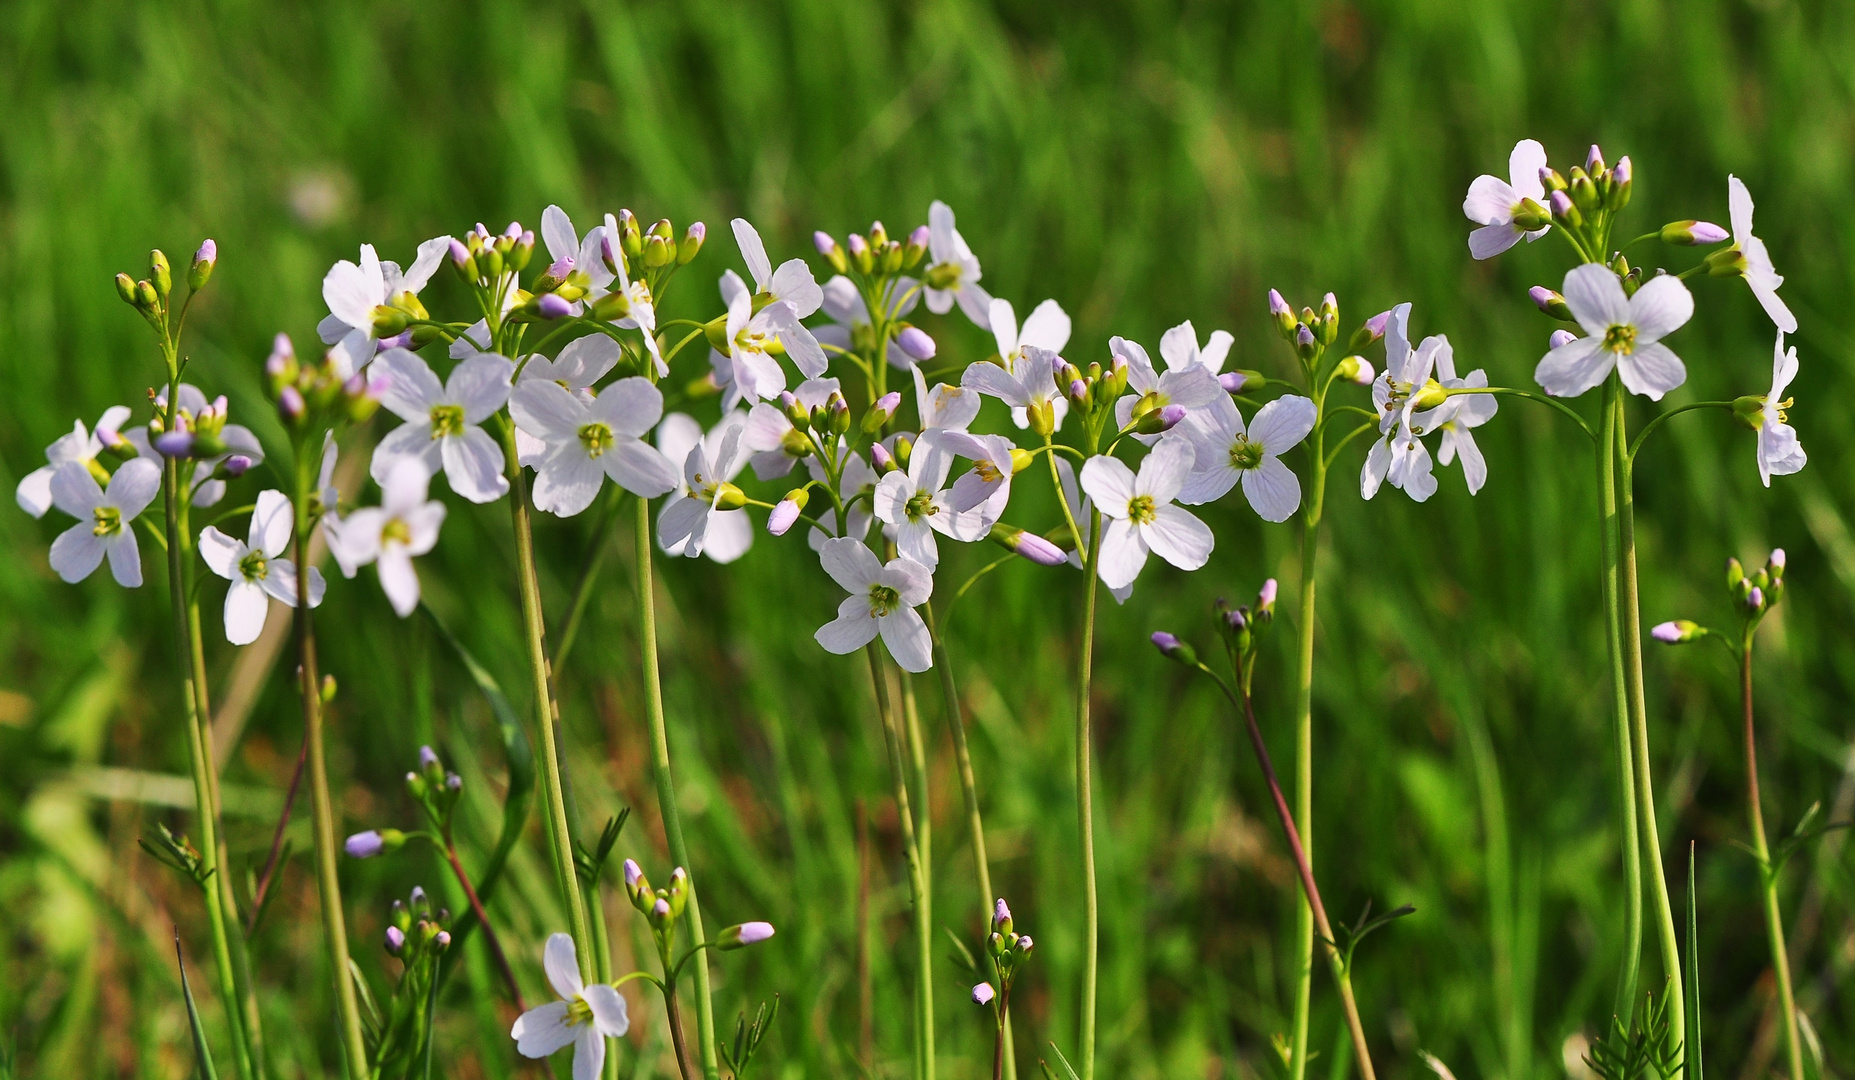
(920, 506)
(1777, 410)
(703, 488)
(447, 420)
(943, 275)
(1245, 454)
(396, 530)
(253, 566)
(1620, 339)
(109, 521)
(1140, 510)
(988, 471)
(596, 438)
(579, 1012)
(884, 600)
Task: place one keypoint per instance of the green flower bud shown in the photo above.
(159, 274)
(146, 298)
(125, 288)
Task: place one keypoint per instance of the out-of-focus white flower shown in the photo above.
(589, 441)
(950, 408)
(1457, 417)
(353, 291)
(850, 315)
(1141, 515)
(696, 519)
(1779, 452)
(34, 493)
(953, 271)
(1759, 273)
(105, 519)
(255, 567)
(1031, 384)
(1228, 453)
(584, 1018)
(1494, 203)
(1046, 330)
(1622, 332)
(882, 601)
(442, 421)
(1178, 347)
(404, 526)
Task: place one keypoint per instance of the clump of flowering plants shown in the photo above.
(829, 411)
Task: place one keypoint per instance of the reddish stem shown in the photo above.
(489, 932)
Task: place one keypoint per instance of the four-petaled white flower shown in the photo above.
(442, 419)
(1080, 507)
(1141, 515)
(1493, 203)
(1400, 456)
(1178, 347)
(1622, 332)
(1229, 453)
(1190, 385)
(104, 519)
(1032, 383)
(643, 315)
(255, 568)
(34, 493)
(770, 436)
(695, 519)
(792, 282)
(882, 601)
(589, 441)
(581, 363)
(403, 526)
(953, 271)
(352, 292)
(986, 487)
(1457, 416)
(567, 250)
(1779, 452)
(1046, 330)
(751, 369)
(849, 314)
(1759, 273)
(584, 1018)
(918, 503)
(951, 408)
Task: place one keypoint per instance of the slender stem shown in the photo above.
(666, 786)
(276, 852)
(1630, 628)
(1304, 749)
(673, 1015)
(1643, 435)
(322, 808)
(866, 989)
(199, 753)
(552, 797)
(924, 849)
(969, 788)
(1085, 799)
(489, 932)
(1626, 765)
(1774, 923)
(589, 575)
(1309, 890)
(892, 739)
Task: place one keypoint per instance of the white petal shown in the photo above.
(1739, 208)
(272, 521)
(1523, 166)
(843, 302)
(558, 235)
(1216, 349)
(680, 433)
(793, 283)
(1474, 466)
(432, 254)
(1652, 370)
(1273, 489)
(1490, 201)
(1178, 537)
(1490, 240)
(473, 463)
(891, 498)
(406, 443)
(610, 1015)
(350, 295)
(1283, 423)
(245, 609)
(1163, 472)
(584, 361)
(332, 329)
(854, 626)
(1662, 306)
(34, 493)
(280, 582)
(480, 384)
(1179, 347)
(1377, 465)
(221, 553)
(1210, 483)
(1596, 299)
(912, 580)
(851, 564)
(679, 520)
(975, 302)
(547, 410)
(542, 1031)
(567, 481)
(399, 580)
(908, 640)
(1111, 485)
(1775, 307)
(77, 552)
(639, 468)
(986, 377)
(1004, 324)
(1123, 552)
(1574, 367)
(125, 558)
(729, 535)
(133, 487)
(411, 388)
(75, 491)
(753, 251)
(1047, 327)
(562, 964)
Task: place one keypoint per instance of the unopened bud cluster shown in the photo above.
(1752, 596)
(318, 392)
(1006, 951)
(415, 930)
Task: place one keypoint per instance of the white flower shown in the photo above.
(695, 520)
(918, 504)
(1179, 348)
(567, 250)
(238, 439)
(1227, 453)
(750, 369)
(643, 315)
(584, 1018)
(1779, 452)
(1457, 416)
(581, 363)
(1031, 382)
(589, 441)
(1190, 385)
(329, 510)
(882, 601)
(770, 436)
(856, 478)
(951, 408)
(792, 282)
(1080, 507)
(403, 526)
(1141, 515)
(103, 519)
(1624, 332)
(987, 485)
(352, 292)
(1759, 273)
(849, 314)
(1046, 329)
(34, 493)
(255, 569)
(953, 272)
(442, 419)
(1493, 203)
(1401, 456)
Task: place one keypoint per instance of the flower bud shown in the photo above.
(903, 447)
(784, 514)
(235, 466)
(915, 342)
(1164, 418)
(365, 845)
(839, 415)
(678, 890)
(729, 496)
(1001, 917)
(1172, 648)
(1550, 302)
(1755, 600)
(658, 252)
(1775, 563)
(1284, 315)
(395, 939)
(882, 411)
(204, 260)
(613, 306)
(1531, 216)
(551, 306)
(1678, 632)
(743, 935)
(860, 256)
(637, 886)
(1430, 395)
(917, 246)
(1561, 337)
(521, 251)
(881, 459)
(178, 443)
(833, 253)
(1691, 233)
(1357, 369)
(1305, 345)
(1564, 210)
(1028, 544)
(1369, 331)
(983, 994)
(290, 404)
(125, 288)
(1078, 391)
(463, 261)
(692, 242)
(1735, 573)
(1550, 179)
(1618, 196)
(660, 913)
(1584, 191)
(1265, 600)
(159, 274)
(146, 297)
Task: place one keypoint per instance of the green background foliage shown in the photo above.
(1141, 162)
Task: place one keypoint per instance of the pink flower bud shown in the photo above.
(824, 242)
(237, 465)
(1561, 204)
(755, 932)
(633, 873)
(1040, 551)
(1667, 632)
(1776, 560)
(1377, 323)
(983, 994)
(1706, 232)
(553, 307)
(1266, 598)
(782, 517)
(857, 245)
(1001, 913)
(1561, 337)
(459, 253)
(889, 402)
(1279, 306)
(916, 343)
(395, 940)
(881, 458)
(1594, 161)
(1755, 599)
(919, 238)
(174, 444)
(290, 403)
(365, 845)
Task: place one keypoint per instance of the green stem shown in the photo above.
(1626, 765)
(1630, 628)
(892, 740)
(552, 797)
(1774, 923)
(924, 848)
(666, 788)
(1304, 750)
(1085, 800)
(322, 808)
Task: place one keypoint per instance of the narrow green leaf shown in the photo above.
(1692, 989)
(201, 1052)
(1069, 1072)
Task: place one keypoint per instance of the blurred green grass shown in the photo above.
(1143, 163)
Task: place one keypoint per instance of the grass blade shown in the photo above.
(201, 1052)
(1692, 1020)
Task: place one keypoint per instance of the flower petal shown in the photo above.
(610, 1015)
(1273, 489)
(1490, 240)
(1047, 327)
(974, 301)
(562, 963)
(638, 468)
(410, 387)
(753, 252)
(473, 463)
(853, 628)
(584, 361)
(410, 442)
(1652, 370)
(125, 557)
(542, 1031)
(75, 491)
(1178, 537)
(272, 521)
(1574, 367)
(1283, 423)
(1123, 551)
(986, 377)
(1662, 306)
(1111, 485)
(793, 282)
(77, 552)
(1523, 166)
(133, 487)
(481, 385)
(246, 605)
(908, 640)
(1596, 299)
(851, 564)
(567, 480)
(1163, 472)
(398, 579)
(558, 235)
(1490, 201)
